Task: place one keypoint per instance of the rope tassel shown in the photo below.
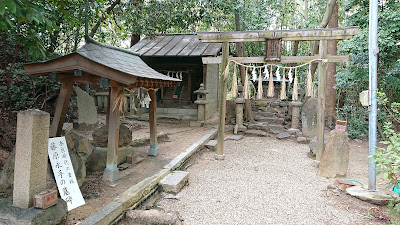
(283, 87)
(260, 89)
(295, 95)
(271, 93)
(309, 91)
(246, 86)
(234, 82)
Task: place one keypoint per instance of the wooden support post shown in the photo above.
(111, 172)
(107, 104)
(153, 151)
(321, 100)
(222, 103)
(61, 108)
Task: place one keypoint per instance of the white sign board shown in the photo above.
(64, 173)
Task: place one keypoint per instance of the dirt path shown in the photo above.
(97, 194)
(269, 181)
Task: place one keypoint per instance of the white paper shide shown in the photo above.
(64, 173)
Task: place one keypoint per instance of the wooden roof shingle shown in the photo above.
(176, 45)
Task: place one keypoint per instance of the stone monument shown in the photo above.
(309, 117)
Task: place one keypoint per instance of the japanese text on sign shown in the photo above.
(64, 173)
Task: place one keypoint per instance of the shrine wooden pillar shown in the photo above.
(111, 172)
(222, 103)
(323, 49)
(61, 107)
(153, 151)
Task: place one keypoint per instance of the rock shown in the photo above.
(261, 103)
(100, 136)
(273, 120)
(7, 173)
(97, 160)
(377, 197)
(79, 148)
(256, 133)
(211, 145)
(293, 131)
(276, 128)
(313, 144)
(309, 117)
(230, 115)
(153, 217)
(283, 104)
(87, 112)
(335, 159)
(266, 114)
(11, 215)
(3, 156)
(66, 128)
(302, 140)
(283, 135)
(146, 140)
(174, 182)
(259, 126)
(235, 137)
(358, 141)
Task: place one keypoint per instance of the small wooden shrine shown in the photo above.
(117, 68)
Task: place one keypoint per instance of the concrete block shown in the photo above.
(174, 182)
(211, 145)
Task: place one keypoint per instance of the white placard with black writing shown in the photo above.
(64, 173)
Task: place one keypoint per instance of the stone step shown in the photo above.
(273, 110)
(259, 126)
(270, 120)
(266, 114)
(211, 145)
(256, 133)
(276, 128)
(174, 182)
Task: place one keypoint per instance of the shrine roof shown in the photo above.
(176, 45)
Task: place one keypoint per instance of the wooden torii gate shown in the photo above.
(321, 35)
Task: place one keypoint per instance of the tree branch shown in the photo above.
(102, 17)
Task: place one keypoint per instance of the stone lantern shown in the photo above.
(201, 106)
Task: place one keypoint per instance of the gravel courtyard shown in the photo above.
(268, 181)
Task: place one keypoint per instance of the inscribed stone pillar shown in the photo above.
(30, 156)
(335, 159)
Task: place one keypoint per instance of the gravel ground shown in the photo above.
(261, 181)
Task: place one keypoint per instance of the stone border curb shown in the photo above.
(136, 193)
(181, 158)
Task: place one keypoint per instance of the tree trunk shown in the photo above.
(103, 17)
(323, 24)
(330, 100)
(240, 53)
(135, 38)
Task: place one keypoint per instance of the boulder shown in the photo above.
(313, 144)
(79, 149)
(100, 136)
(97, 160)
(11, 215)
(335, 159)
(309, 117)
